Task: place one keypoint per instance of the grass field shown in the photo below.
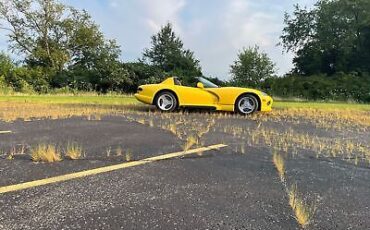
(321, 105)
(331, 114)
(69, 99)
(129, 99)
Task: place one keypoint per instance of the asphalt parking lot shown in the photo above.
(235, 187)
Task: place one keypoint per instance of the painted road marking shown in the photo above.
(30, 120)
(51, 180)
(5, 132)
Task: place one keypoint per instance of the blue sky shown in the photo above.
(215, 30)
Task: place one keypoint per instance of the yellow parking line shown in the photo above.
(70, 176)
(4, 132)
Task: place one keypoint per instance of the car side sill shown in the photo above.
(199, 107)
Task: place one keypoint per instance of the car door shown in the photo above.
(192, 96)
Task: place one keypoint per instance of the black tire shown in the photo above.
(253, 104)
(169, 96)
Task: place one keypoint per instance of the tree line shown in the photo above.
(62, 49)
(331, 43)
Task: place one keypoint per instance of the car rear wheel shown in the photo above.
(246, 104)
(166, 101)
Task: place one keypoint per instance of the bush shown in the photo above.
(341, 86)
(4, 88)
(28, 80)
(64, 90)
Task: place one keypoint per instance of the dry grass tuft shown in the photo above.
(11, 153)
(279, 163)
(128, 155)
(45, 153)
(242, 148)
(74, 151)
(173, 128)
(190, 141)
(119, 151)
(93, 117)
(302, 211)
(108, 151)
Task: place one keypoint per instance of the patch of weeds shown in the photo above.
(279, 163)
(74, 151)
(128, 155)
(173, 128)
(23, 149)
(242, 148)
(45, 153)
(15, 151)
(141, 121)
(11, 154)
(93, 117)
(190, 141)
(119, 151)
(303, 212)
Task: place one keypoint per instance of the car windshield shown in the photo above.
(206, 83)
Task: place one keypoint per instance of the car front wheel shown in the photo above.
(166, 102)
(246, 104)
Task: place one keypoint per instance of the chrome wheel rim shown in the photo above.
(165, 102)
(247, 105)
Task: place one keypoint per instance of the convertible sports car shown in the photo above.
(170, 94)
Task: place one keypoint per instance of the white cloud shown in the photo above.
(245, 26)
(220, 37)
(245, 23)
(158, 13)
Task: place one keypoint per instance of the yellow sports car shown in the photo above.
(170, 95)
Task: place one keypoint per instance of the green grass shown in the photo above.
(69, 99)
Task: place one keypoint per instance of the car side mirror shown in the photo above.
(200, 85)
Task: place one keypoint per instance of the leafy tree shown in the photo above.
(12, 76)
(55, 39)
(332, 37)
(36, 31)
(142, 73)
(99, 69)
(251, 67)
(168, 53)
(6, 68)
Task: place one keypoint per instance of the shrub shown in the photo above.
(341, 86)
